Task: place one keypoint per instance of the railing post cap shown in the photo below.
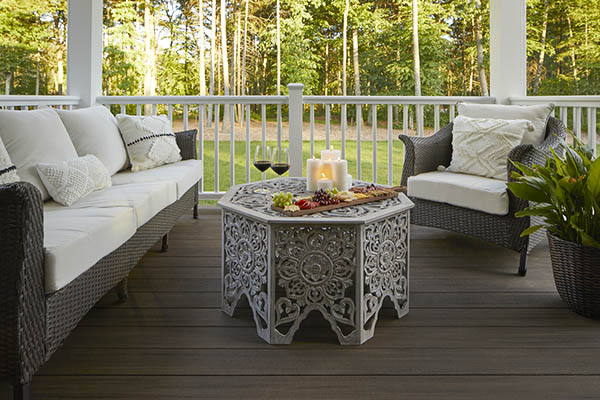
(295, 86)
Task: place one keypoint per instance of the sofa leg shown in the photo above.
(523, 264)
(122, 291)
(196, 211)
(21, 391)
(165, 243)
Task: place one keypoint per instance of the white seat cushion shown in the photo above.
(184, 173)
(95, 131)
(146, 199)
(76, 239)
(462, 190)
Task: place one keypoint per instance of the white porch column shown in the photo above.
(84, 50)
(508, 49)
(295, 111)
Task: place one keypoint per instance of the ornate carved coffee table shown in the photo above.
(342, 262)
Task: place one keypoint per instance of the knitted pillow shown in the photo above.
(150, 141)
(69, 181)
(480, 146)
(8, 171)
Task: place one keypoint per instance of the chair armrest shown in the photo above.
(529, 154)
(186, 141)
(22, 294)
(424, 154)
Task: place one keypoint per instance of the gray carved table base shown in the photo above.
(343, 267)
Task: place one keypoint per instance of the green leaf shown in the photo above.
(588, 240)
(527, 192)
(531, 229)
(593, 180)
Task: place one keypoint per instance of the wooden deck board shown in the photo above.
(475, 330)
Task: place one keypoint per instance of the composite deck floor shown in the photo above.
(475, 330)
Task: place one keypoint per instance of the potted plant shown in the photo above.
(565, 194)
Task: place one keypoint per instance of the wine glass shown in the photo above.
(280, 161)
(262, 162)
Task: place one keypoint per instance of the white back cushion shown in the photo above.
(33, 137)
(95, 131)
(8, 171)
(537, 114)
(480, 146)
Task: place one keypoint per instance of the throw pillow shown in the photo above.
(95, 131)
(33, 137)
(149, 140)
(69, 181)
(480, 146)
(537, 114)
(8, 171)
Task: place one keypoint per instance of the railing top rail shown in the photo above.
(560, 101)
(441, 100)
(19, 100)
(192, 99)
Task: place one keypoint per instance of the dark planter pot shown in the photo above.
(576, 271)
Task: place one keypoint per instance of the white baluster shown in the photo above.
(358, 132)
(217, 112)
(201, 109)
(343, 122)
(327, 127)
(123, 109)
(374, 141)
(170, 113)
(138, 109)
(232, 145)
(247, 143)
(312, 131)
(185, 116)
(592, 129)
(452, 107)
(577, 121)
(405, 119)
(154, 109)
(390, 122)
(436, 117)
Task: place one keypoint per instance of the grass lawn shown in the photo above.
(240, 161)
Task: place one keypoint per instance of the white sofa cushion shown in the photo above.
(462, 190)
(33, 137)
(480, 146)
(149, 140)
(8, 171)
(69, 181)
(184, 173)
(146, 199)
(536, 114)
(95, 131)
(75, 239)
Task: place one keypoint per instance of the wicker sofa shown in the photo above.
(35, 319)
(425, 154)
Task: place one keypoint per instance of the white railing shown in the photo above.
(583, 112)
(404, 115)
(16, 102)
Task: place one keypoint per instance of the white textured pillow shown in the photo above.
(537, 114)
(69, 181)
(480, 146)
(95, 131)
(149, 140)
(33, 137)
(8, 171)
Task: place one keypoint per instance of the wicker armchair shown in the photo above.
(34, 324)
(425, 154)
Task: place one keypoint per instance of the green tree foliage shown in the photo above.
(566, 59)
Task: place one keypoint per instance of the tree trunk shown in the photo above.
(344, 48)
(355, 59)
(243, 80)
(37, 78)
(573, 61)
(416, 57)
(542, 55)
(482, 77)
(238, 66)
(150, 53)
(278, 50)
(60, 72)
(201, 48)
(326, 66)
(213, 49)
(7, 79)
(225, 62)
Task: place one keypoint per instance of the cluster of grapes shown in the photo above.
(324, 198)
(282, 199)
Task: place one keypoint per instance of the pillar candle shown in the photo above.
(313, 173)
(330, 155)
(339, 172)
(348, 182)
(327, 169)
(324, 183)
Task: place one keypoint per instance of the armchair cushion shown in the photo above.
(462, 190)
(8, 171)
(537, 114)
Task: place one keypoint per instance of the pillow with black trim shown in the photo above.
(150, 141)
(8, 171)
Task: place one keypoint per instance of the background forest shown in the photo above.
(198, 47)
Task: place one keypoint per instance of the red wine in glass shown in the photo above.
(262, 162)
(262, 165)
(280, 168)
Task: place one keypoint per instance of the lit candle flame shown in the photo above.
(331, 147)
(323, 175)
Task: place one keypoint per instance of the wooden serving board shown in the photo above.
(392, 193)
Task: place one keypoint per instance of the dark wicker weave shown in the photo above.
(424, 154)
(34, 324)
(576, 271)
